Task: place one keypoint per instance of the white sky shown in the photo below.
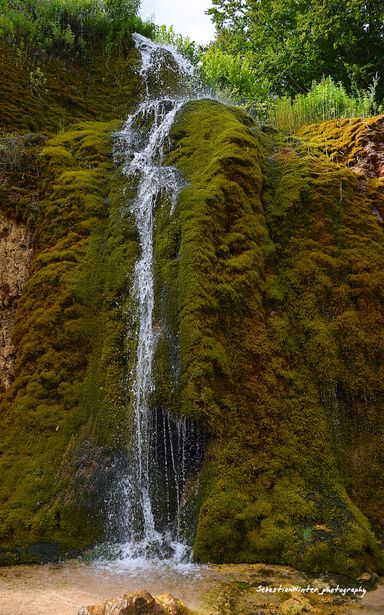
(186, 16)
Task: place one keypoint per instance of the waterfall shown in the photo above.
(149, 514)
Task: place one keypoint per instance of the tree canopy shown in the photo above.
(294, 42)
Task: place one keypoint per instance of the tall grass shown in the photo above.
(234, 77)
(326, 100)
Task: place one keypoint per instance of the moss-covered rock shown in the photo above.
(63, 428)
(63, 414)
(277, 248)
(73, 89)
(268, 316)
(356, 142)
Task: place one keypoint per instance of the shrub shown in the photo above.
(63, 25)
(233, 77)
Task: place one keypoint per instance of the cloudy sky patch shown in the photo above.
(187, 18)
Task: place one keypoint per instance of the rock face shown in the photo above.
(280, 316)
(296, 605)
(139, 603)
(15, 258)
(269, 314)
(62, 190)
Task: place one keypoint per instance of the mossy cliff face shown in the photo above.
(268, 313)
(64, 419)
(46, 93)
(63, 414)
(357, 143)
(274, 267)
(63, 426)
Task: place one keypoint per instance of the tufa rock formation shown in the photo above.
(269, 311)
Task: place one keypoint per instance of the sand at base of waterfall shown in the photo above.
(61, 589)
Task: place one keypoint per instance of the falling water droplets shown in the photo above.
(149, 496)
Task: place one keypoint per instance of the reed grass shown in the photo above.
(326, 100)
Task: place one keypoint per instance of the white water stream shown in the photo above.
(151, 491)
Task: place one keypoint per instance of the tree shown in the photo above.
(121, 10)
(294, 42)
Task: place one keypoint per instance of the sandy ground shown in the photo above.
(217, 590)
(63, 589)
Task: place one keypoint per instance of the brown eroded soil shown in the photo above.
(15, 257)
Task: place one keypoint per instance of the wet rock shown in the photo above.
(172, 605)
(296, 605)
(139, 603)
(97, 609)
(368, 579)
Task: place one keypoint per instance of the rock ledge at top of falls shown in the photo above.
(138, 603)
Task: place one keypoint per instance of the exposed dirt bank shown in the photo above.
(15, 258)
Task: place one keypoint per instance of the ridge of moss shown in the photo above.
(354, 142)
(257, 348)
(331, 269)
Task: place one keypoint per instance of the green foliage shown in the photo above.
(12, 153)
(184, 44)
(68, 26)
(232, 76)
(122, 10)
(37, 82)
(325, 100)
(293, 43)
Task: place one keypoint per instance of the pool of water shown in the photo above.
(61, 589)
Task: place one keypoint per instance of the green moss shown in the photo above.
(64, 414)
(345, 140)
(98, 88)
(259, 282)
(268, 314)
(66, 411)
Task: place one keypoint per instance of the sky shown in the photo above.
(186, 16)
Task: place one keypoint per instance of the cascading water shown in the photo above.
(149, 515)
